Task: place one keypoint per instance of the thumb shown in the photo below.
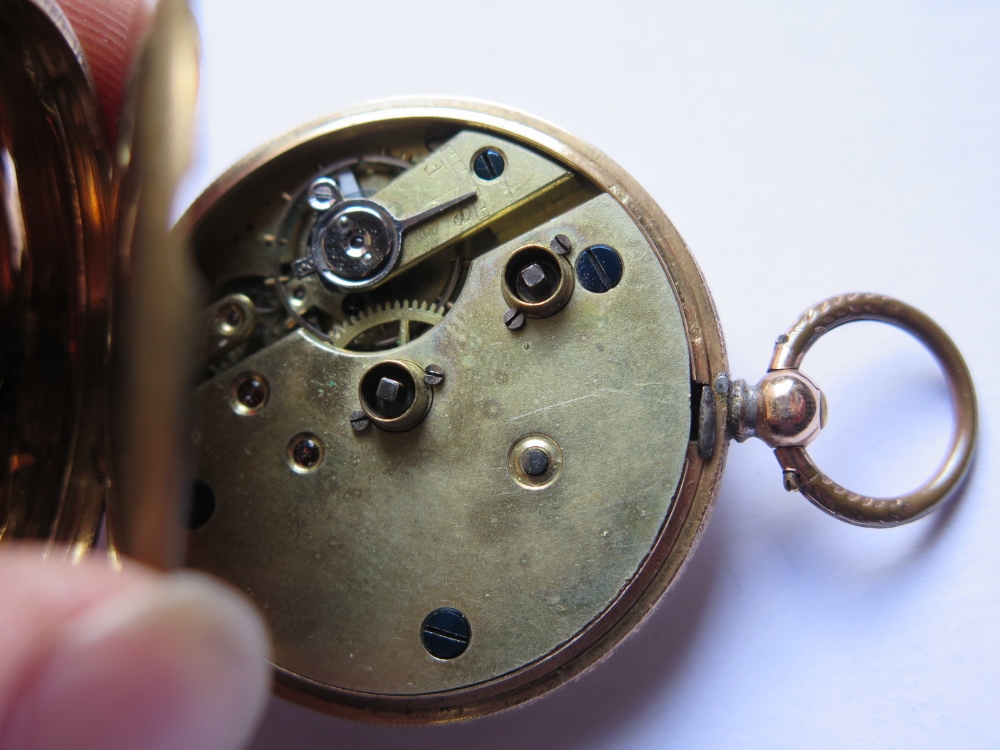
(95, 658)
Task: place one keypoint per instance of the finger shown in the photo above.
(108, 31)
(94, 658)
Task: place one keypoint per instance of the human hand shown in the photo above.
(97, 659)
(93, 658)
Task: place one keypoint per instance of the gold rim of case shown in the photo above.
(82, 216)
(54, 282)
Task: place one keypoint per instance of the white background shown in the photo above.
(802, 149)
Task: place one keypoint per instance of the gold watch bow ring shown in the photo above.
(459, 399)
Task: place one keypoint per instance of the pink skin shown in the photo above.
(97, 659)
(92, 658)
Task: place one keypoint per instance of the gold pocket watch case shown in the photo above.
(463, 406)
(461, 399)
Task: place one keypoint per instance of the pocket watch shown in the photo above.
(444, 385)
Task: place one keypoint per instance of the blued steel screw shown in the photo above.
(599, 268)
(433, 375)
(445, 633)
(513, 319)
(488, 165)
(359, 420)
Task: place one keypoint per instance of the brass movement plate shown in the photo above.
(348, 538)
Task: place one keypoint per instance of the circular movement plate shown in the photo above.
(444, 515)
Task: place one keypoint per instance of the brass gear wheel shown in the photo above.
(400, 321)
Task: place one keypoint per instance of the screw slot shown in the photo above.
(359, 420)
(323, 193)
(561, 244)
(513, 319)
(445, 633)
(433, 375)
(488, 165)
(599, 268)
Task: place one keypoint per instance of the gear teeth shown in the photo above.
(384, 312)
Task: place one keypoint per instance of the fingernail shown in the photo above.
(178, 665)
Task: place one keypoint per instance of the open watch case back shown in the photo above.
(461, 399)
